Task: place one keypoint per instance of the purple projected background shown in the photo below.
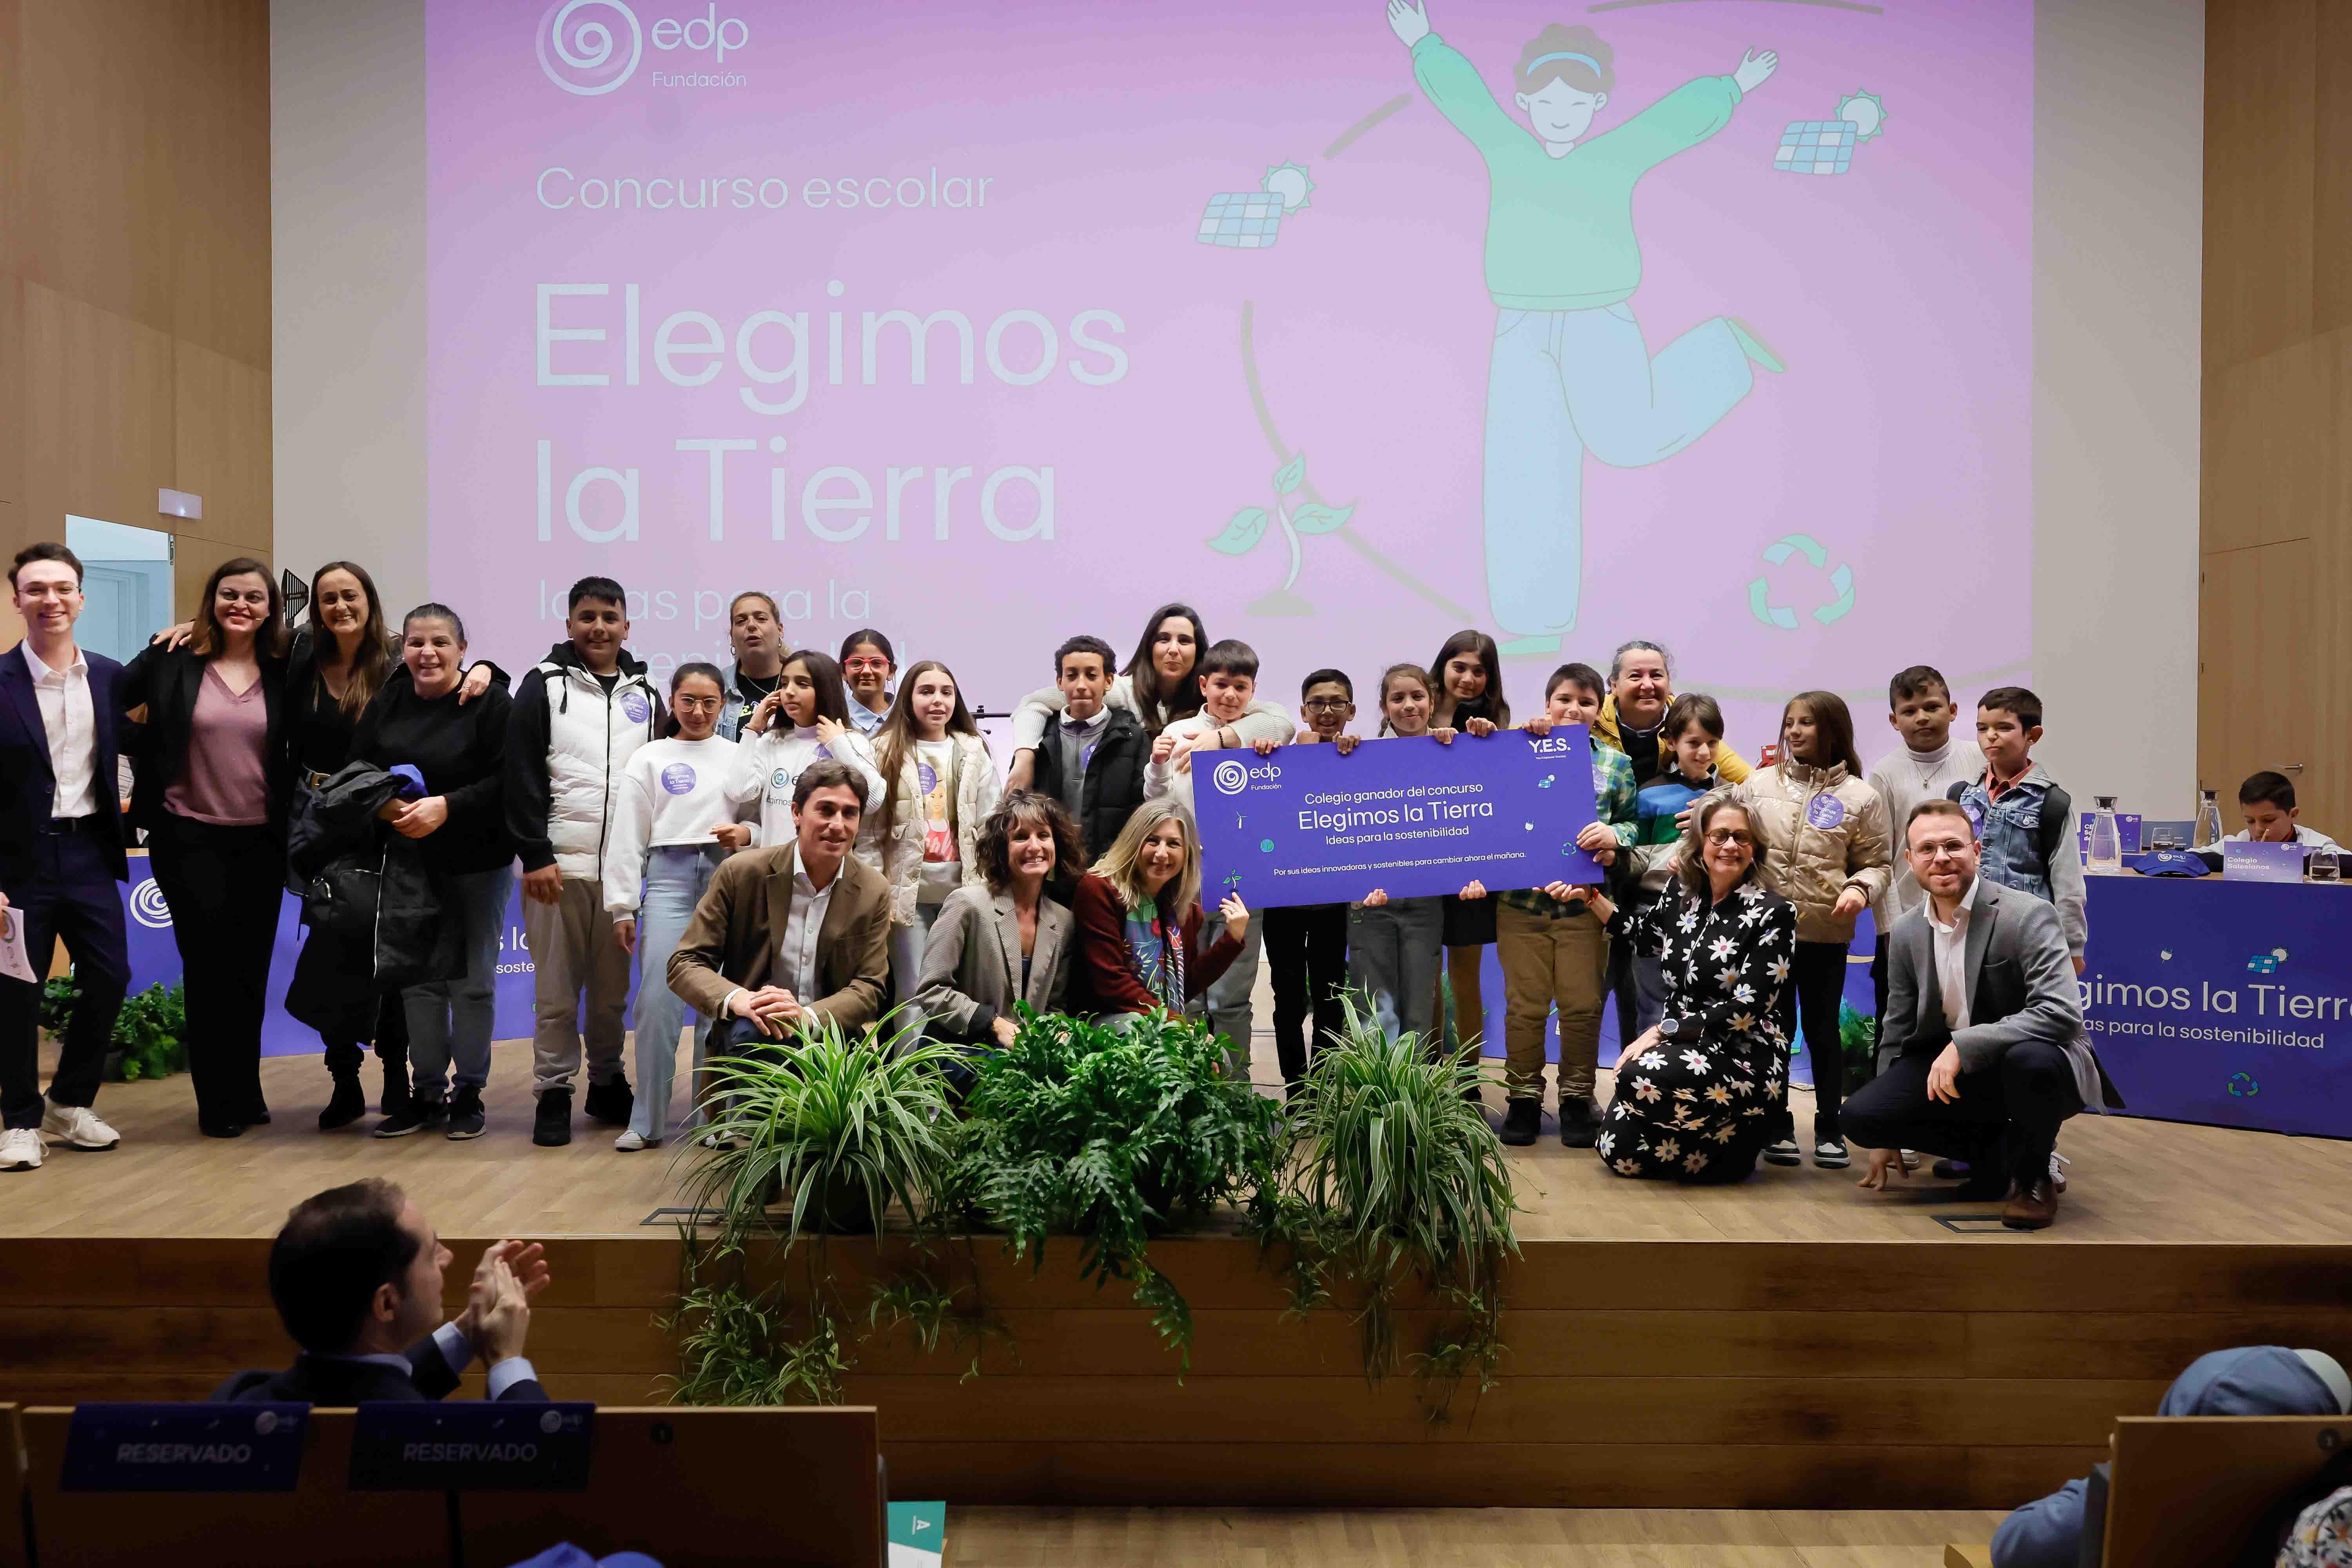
(1186, 379)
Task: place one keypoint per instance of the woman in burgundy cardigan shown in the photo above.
(1144, 890)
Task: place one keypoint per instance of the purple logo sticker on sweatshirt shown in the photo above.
(678, 778)
(633, 704)
(1826, 812)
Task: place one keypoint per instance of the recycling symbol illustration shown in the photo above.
(1779, 554)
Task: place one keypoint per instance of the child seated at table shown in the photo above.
(2266, 800)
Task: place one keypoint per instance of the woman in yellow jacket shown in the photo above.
(1829, 841)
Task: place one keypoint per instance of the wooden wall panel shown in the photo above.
(2275, 679)
(97, 411)
(222, 445)
(2255, 636)
(219, 212)
(95, 82)
(134, 267)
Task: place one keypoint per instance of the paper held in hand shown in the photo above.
(15, 963)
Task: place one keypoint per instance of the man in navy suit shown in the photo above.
(60, 857)
(355, 1274)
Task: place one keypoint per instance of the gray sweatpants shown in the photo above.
(1394, 952)
(573, 953)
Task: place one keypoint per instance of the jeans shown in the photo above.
(1393, 956)
(451, 1020)
(1550, 959)
(572, 951)
(907, 945)
(1816, 985)
(223, 886)
(1564, 382)
(1226, 1001)
(1638, 981)
(676, 877)
(70, 895)
(1308, 946)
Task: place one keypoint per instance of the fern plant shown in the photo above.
(1113, 1134)
(149, 1032)
(1397, 1176)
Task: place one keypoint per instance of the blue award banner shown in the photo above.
(2224, 1003)
(1307, 825)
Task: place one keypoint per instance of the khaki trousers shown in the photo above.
(1548, 960)
(573, 950)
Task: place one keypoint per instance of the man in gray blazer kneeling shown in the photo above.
(1983, 1008)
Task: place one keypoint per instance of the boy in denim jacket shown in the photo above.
(2024, 820)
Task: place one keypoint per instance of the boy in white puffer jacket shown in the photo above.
(576, 720)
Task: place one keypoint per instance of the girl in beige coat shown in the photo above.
(1829, 843)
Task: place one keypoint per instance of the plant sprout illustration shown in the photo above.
(1241, 535)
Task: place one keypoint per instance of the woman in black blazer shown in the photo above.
(212, 781)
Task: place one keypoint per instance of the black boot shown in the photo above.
(1522, 1121)
(349, 1101)
(612, 1102)
(397, 1098)
(1576, 1128)
(551, 1128)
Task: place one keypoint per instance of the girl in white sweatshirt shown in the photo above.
(942, 784)
(815, 727)
(672, 823)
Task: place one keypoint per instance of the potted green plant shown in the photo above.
(1397, 1176)
(147, 1040)
(1113, 1133)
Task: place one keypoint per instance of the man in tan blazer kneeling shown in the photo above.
(790, 936)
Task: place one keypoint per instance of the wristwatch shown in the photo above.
(1669, 1028)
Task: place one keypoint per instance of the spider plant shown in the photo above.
(847, 1125)
(1397, 1175)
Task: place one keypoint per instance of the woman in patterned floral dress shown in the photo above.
(1696, 1095)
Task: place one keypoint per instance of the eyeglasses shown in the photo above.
(863, 665)
(1325, 704)
(696, 704)
(1722, 837)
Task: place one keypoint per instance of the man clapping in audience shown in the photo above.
(355, 1273)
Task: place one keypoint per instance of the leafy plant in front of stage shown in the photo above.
(1114, 1134)
(1397, 1177)
(835, 1129)
(147, 1040)
(1858, 1043)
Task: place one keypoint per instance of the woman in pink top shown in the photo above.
(210, 790)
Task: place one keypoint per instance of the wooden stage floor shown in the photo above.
(2132, 1181)
(1791, 1343)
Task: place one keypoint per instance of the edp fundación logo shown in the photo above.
(147, 908)
(590, 47)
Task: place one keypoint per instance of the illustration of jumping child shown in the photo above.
(1571, 373)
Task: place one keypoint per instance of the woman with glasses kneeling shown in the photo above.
(1007, 939)
(1695, 1095)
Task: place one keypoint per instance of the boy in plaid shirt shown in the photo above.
(1555, 953)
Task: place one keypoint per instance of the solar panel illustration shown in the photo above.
(1816, 147)
(1242, 220)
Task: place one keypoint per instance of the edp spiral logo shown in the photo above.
(1230, 777)
(147, 908)
(582, 55)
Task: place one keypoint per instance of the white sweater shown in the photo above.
(767, 766)
(1165, 779)
(1904, 778)
(673, 792)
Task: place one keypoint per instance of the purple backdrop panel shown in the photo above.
(2224, 1003)
(155, 959)
(1308, 826)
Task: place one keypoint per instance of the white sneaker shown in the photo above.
(20, 1150)
(79, 1126)
(629, 1142)
(2057, 1172)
